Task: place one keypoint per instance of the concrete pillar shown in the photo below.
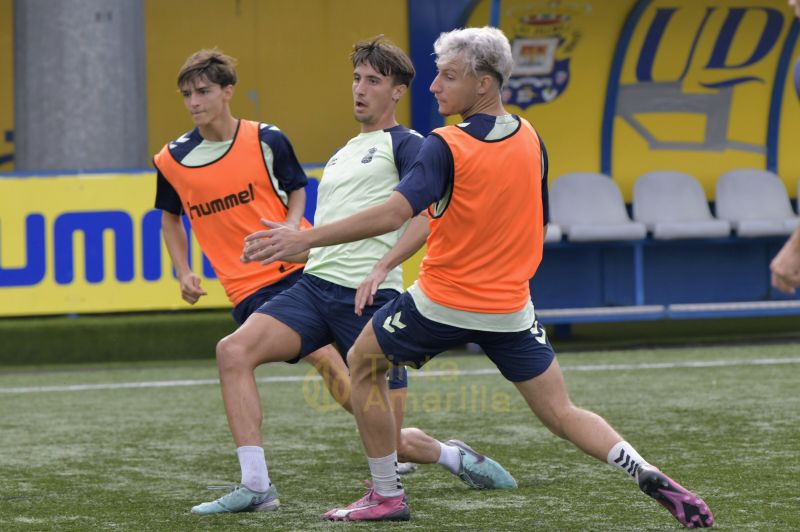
(79, 85)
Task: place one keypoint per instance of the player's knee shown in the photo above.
(366, 366)
(230, 355)
(326, 356)
(358, 364)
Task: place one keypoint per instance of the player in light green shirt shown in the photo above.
(362, 173)
(325, 305)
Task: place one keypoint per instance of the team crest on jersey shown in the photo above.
(544, 38)
(368, 157)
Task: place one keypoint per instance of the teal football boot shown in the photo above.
(240, 499)
(479, 471)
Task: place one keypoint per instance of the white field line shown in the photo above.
(416, 375)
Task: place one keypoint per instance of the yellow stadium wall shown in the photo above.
(53, 251)
(91, 243)
(294, 67)
(294, 72)
(743, 141)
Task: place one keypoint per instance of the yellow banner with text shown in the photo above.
(92, 244)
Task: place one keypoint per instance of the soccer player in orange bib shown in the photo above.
(483, 182)
(225, 175)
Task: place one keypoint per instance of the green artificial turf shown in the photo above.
(133, 446)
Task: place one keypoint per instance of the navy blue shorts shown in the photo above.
(518, 355)
(322, 312)
(255, 300)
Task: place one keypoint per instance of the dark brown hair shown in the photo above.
(384, 57)
(211, 64)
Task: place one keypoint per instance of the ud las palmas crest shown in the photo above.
(544, 38)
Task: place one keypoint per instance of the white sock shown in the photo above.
(385, 479)
(254, 468)
(449, 457)
(625, 457)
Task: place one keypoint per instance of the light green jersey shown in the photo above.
(360, 175)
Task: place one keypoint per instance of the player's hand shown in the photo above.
(368, 288)
(785, 267)
(783, 284)
(276, 243)
(191, 290)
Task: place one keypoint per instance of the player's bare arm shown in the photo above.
(409, 243)
(177, 246)
(299, 258)
(280, 242)
(296, 208)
